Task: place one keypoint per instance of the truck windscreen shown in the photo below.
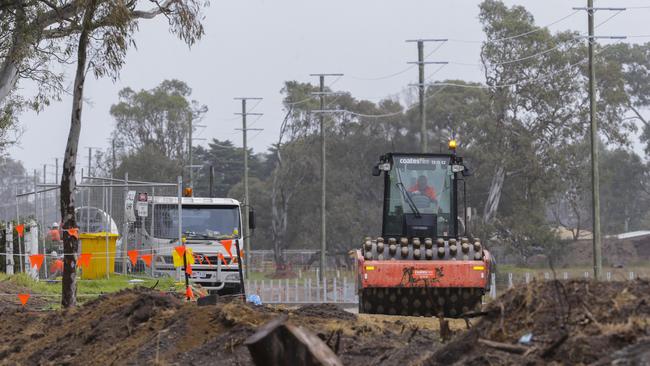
(199, 221)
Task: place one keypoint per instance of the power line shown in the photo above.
(517, 35)
(310, 97)
(384, 77)
(575, 40)
(543, 77)
(473, 86)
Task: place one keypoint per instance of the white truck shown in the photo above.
(207, 224)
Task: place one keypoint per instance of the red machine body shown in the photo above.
(422, 273)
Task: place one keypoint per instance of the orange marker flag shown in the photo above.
(23, 298)
(36, 260)
(20, 229)
(74, 232)
(188, 269)
(133, 256)
(180, 250)
(56, 266)
(188, 293)
(84, 259)
(227, 244)
(146, 258)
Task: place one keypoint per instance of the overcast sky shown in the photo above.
(252, 46)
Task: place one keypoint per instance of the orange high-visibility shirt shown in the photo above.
(428, 191)
(54, 235)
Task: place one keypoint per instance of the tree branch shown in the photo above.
(639, 116)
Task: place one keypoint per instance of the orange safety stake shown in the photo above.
(36, 260)
(23, 298)
(188, 293)
(84, 259)
(20, 229)
(133, 256)
(146, 258)
(227, 244)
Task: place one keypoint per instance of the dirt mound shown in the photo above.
(325, 311)
(574, 322)
(142, 326)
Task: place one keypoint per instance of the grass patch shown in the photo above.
(89, 289)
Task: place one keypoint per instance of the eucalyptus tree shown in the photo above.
(103, 31)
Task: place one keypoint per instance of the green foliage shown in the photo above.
(524, 133)
(149, 164)
(158, 118)
(228, 165)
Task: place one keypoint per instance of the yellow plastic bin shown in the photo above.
(99, 247)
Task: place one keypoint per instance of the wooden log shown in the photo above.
(279, 343)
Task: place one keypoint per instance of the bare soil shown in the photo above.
(574, 322)
(142, 326)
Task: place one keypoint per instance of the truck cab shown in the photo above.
(212, 228)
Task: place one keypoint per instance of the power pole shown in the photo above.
(421, 87)
(323, 171)
(245, 129)
(90, 158)
(113, 157)
(595, 174)
(190, 141)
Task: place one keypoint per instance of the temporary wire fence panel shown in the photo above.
(99, 208)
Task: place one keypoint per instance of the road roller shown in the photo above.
(426, 262)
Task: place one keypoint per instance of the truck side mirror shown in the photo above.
(251, 219)
(375, 171)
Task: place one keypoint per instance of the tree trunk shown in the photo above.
(494, 196)
(68, 182)
(279, 216)
(9, 68)
(8, 77)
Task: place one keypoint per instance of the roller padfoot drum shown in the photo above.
(414, 301)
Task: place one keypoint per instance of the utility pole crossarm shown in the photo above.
(428, 62)
(591, 8)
